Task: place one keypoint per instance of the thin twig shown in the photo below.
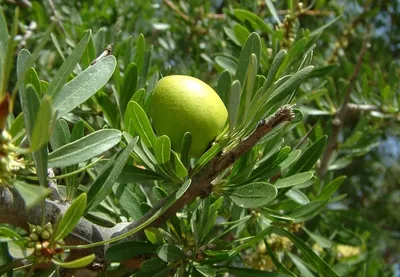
(341, 114)
(177, 10)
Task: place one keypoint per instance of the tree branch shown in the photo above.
(13, 208)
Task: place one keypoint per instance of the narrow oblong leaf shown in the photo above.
(70, 218)
(129, 202)
(180, 168)
(128, 86)
(255, 21)
(185, 147)
(206, 157)
(309, 157)
(128, 249)
(30, 107)
(273, 11)
(170, 253)
(106, 178)
(31, 194)
(253, 195)
(293, 180)
(308, 211)
(331, 188)
(79, 263)
(136, 115)
(133, 174)
(67, 67)
(252, 45)
(224, 85)
(162, 149)
(234, 101)
(85, 148)
(83, 86)
(42, 131)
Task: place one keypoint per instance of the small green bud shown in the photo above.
(48, 226)
(38, 230)
(38, 253)
(34, 237)
(45, 235)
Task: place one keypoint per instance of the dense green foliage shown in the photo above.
(315, 196)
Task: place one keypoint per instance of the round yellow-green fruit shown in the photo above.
(181, 104)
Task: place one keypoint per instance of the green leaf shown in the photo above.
(180, 169)
(323, 242)
(252, 45)
(133, 174)
(10, 234)
(241, 33)
(57, 45)
(276, 64)
(162, 150)
(70, 218)
(253, 195)
(227, 63)
(140, 52)
(309, 157)
(32, 78)
(206, 157)
(128, 86)
(205, 270)
(144, 70)
(30, 108)
(3, 32)
(108, 108)
(170, 253)
(79, 263)
(273, 11)
(301, 266)
(331, 188)
(128, 249)
(233, 106)
(83, 86)
(290, 85)
(31, 194)
(186, 143)
(85, 148)
(224, 86)
(105, 180)
(61, 135)
(248, 88)
(136, 115)
(297, 196)
(17, 125)
(56, 85)
(154, 264)
(308, 211)
(293, 180)
(19, 252)
(42, 131)
(129, 201)
(323, 27)
(256, 22)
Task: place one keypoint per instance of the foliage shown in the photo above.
(310, 96)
